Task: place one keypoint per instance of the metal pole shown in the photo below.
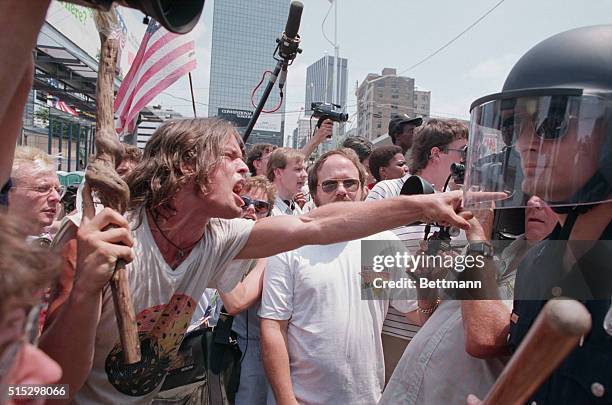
(61, 141)
(337, 81)
(192, 97)
(262, 100)
(78, 148)
(86, 148)
(50, 140)
(71, 125)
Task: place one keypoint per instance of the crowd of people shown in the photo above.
(260, 256)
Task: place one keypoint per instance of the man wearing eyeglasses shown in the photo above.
(555, 113)
(320, 341)
(436, 145)
(36, 192)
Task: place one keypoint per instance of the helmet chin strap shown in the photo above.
(598, 188)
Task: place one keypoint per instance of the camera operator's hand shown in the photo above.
(101, 241)
(324, 131)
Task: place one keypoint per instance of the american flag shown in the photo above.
(163, 57)
(60, 105)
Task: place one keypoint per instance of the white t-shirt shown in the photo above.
(164, 303)
(334, 336)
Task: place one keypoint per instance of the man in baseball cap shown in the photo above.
(401, 130)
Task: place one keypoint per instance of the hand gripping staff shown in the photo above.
(102, 177)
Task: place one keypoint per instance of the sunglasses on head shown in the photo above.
(350, 185)
(261, 207)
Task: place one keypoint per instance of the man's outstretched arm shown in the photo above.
(342, 221)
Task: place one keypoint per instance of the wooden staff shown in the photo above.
(102, 177)
(555, 332)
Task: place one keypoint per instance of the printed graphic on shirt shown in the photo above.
(160, 330)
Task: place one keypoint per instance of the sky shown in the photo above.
(398, 34)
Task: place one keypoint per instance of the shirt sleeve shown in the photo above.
(277, 293)
(386, 244)
(233, 235)
(378, 192)
(232, 275)
(402, 299)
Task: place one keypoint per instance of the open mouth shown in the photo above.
(237, 191)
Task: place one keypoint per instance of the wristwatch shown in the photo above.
(481, 248)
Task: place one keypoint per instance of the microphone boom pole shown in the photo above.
(287, 49)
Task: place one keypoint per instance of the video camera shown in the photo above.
(324, 111)
(458, 172)
(440, 239)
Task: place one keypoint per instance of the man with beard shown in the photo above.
(321, 342)
(184, 209)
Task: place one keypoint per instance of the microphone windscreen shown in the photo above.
(293, 21)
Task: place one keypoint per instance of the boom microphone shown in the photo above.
(287, 48)
(288, 44)
(293, 21)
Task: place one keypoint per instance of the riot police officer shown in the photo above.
(549, 133)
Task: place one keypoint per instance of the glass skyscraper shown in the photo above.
(320, 88)
(320, 79)
(243, 40)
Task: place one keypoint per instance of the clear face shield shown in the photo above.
(557, 147)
